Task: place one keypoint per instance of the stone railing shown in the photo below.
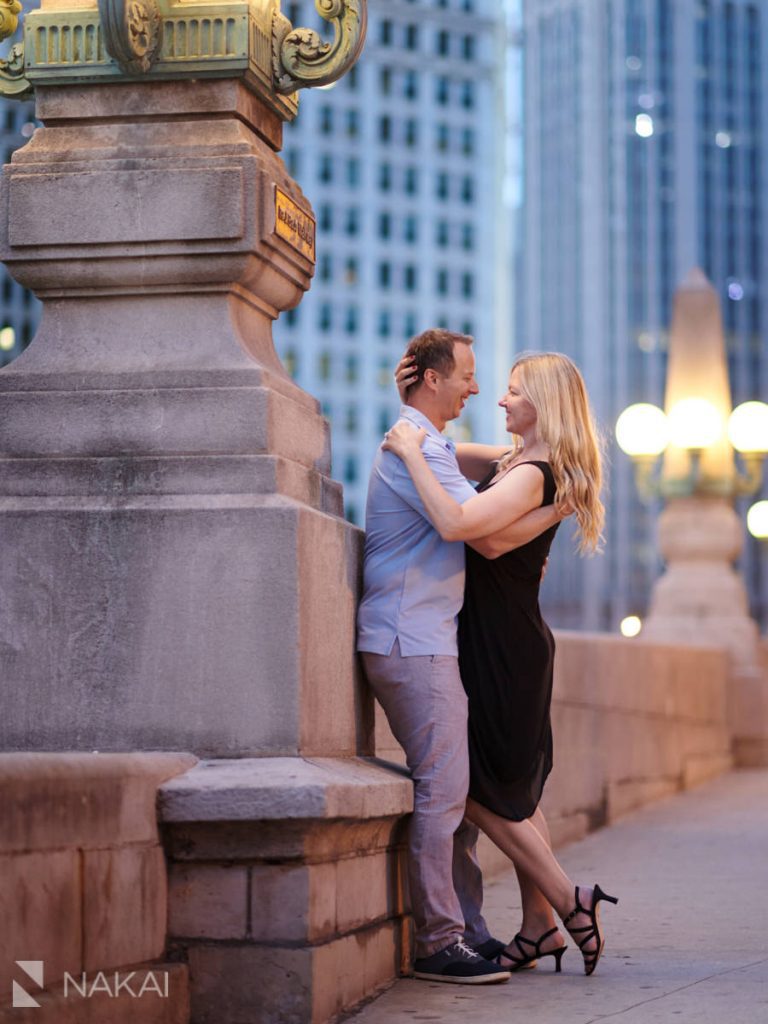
(632, 722)
(84, 891)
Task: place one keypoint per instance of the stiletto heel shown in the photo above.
(592, 930)
(528, 960)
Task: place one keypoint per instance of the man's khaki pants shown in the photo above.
(426, 706)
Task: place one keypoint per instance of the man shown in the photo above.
(412, 591)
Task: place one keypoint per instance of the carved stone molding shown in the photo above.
(133, 33)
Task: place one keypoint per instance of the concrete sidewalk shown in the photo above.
(687, 943)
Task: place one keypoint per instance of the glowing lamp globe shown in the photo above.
(757, 520)
(642, 430)
(748, 427)
(695, 423)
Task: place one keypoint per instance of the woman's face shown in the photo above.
(521, 414)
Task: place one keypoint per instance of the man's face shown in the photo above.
(454, 390)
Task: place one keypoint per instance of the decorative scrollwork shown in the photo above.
(133, 33)
(301, 59)
(13, 81)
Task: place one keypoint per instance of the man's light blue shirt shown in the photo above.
(413, 580)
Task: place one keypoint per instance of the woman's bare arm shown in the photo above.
(518, 533)
(517, 493)
(476, 460)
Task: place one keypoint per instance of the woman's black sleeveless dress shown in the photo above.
(506, 654)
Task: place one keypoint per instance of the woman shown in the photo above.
(506, 649)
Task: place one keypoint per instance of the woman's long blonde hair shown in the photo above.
(564, 421)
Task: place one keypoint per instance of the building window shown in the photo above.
(292, 162)
(326, 119)
(385, 81)
(411, 229)
(325, 366)
(467, 237)
(411, 181)
(385, 177)
(384, 326)
(385, 275)
(442, 185)
(351, 323)
(411, 132)
(350, 419)
(411, 37)
(468, 142)
(385, 128)
(353, 172)
(325, 317)
(325, 169)
(409, 325)
(443, 43)
(411, 85)
(290, 362)
(441, 281)
(351, 271)
(353, 221)
(353, 123)
(443, 137)
(385, 32)
(468, 95)
(325, 219)
(385, 225)
(411, 278)
(467, 190)
(325, 267)
(442, 234)
(467, 285)
(468, 47)
(352, 367)
(442, 90)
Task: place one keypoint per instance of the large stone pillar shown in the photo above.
(177, 574)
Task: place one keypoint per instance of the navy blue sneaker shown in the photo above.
(461, 965)
(490, 950)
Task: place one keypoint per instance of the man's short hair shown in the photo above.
(433, 350)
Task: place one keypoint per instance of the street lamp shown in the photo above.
(644, 432)
(686, 454)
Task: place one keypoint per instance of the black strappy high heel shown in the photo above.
(527, 960)
(592, 930)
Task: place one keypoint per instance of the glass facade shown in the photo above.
(645, 143)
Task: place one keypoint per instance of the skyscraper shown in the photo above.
(645, 143)
(403, 161)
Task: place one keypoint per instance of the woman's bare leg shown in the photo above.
(532, 855)
(538, 916)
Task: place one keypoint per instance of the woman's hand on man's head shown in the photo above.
(405, 375)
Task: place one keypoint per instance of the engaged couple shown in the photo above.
(458, 655)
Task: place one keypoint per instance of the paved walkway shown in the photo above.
(687, 944)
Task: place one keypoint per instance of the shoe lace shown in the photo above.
(465, 950)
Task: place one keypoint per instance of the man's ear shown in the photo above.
(431, 378)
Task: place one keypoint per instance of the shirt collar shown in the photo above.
(415, 416)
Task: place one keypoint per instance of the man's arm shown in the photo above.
(518, 533)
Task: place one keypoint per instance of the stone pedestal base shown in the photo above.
(176, 572)
(286, 885)
(701, 601)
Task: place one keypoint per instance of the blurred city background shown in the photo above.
(541, 174)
